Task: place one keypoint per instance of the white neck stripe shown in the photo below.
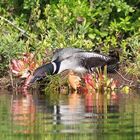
(54, 66)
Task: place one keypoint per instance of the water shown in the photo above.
(69, 117)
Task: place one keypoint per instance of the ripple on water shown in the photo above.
(78, 116)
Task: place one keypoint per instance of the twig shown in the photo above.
(11, 79)
(91, 3)
(130, 81)
(11, 76)
(11, 23)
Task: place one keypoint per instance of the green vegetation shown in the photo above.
(46, 25)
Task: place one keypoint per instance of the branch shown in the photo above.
(11, 23)
(130, 81)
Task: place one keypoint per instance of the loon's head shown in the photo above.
(41, 72)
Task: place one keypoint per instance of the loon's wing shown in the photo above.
(65, 53)
(91, 60)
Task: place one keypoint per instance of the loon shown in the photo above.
(77, 60)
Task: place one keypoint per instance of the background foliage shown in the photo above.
(99, 25)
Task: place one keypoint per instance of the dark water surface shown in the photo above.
(70, 117)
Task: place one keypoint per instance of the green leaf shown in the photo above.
(91, 36)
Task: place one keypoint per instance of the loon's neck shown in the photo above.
(48, 69)
(44, 69)
(56, 67)
(41, 72)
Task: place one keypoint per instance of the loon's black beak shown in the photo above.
(30, 80)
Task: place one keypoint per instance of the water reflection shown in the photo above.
(79, 115)
(23, 113)
(71, 110)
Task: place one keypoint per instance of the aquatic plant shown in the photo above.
(74, 80)
(99, 81)
(22, 68)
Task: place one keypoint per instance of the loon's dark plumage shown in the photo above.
(73, 59)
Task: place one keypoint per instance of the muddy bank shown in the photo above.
(5, 82)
